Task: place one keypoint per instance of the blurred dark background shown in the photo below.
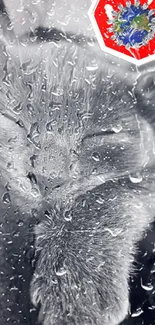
(142, 284)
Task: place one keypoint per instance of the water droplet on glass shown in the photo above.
(101, 266)
(147, 287)
(68, 215)
(60, 272)
(33, 159)
(14, 288)
(1, 31)
(34, 134)
(20, 123)
(151, 307)
(96, 156)
(17, 109)
(35, 2)
(137, 313)
(113, 233)
(8, 187)
(30, 108)
(110, 108)
(92, 68)
(9, 26)
(20, 223)
(83, 203)
(9, 165)
(35, 192)
(137, 178)
(57, 92)
(16, 234)
(86, 115)
(6, 198)
(34, 213)
(34, 131)
(32, 178)
(49, 127)
(32, 19)
(100, 200)
(54, 106)
(117, 128)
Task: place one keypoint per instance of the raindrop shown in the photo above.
(17, 109)
(110, 108)
(137, 178)
(86, 115)
(1, 31)
(9, 165)
(128, 4)
(32, 178)
(24, 42)
(48, 215)
(145, 6)
(32, 159)
(100, 200)
(101, 266)
(20, 223)
(12, 140)
(35, 192)
(8, 187)
(20, 123)
(33, 38)
(68, 215)
(60, 272)
(6, 198)
(96, 156)
(34, 133)
(83, 203)
(137, 313)
(32, 18)
(151, 307)
(60, 130)
(30, 108)
(92, 68)
(9, 26)
(7, 77)
(58, 92)
(114, 233)
(49, 127)
(16, 234)
(14, 288)
(117, 128)
(147, 287)
(35, 2)
(54, 106)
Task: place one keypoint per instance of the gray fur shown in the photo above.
(91, 180)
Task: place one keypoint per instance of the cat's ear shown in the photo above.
(144, 90)
(145, 86)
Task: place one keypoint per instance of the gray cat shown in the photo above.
(77, 148)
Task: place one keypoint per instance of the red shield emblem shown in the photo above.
(125, 28)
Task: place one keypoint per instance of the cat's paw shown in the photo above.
(115, 315)
(68, 308)
(77, 289)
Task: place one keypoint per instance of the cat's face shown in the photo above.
(68, 125)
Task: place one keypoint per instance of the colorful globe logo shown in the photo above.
(132, 25)
(125, 28)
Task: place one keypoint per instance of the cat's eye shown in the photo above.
(101, 133)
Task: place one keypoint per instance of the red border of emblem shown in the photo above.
(100, 21)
